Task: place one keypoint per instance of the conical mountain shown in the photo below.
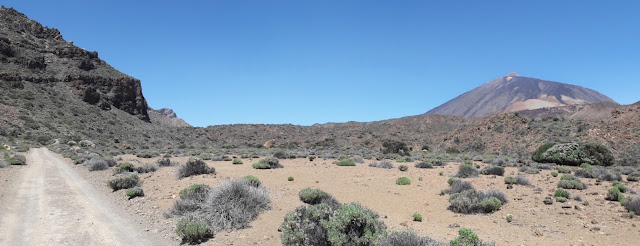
(512, 93)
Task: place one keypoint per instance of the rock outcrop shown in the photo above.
(30, 52)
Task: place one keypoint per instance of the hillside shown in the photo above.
(513, 93)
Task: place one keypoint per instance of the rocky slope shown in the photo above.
(30, 52)
(166, 117)
(513, 93)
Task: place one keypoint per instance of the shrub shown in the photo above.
(403, 168)
(98, 164)
(232, 204)
(124, 182)
(124, 167)
(194, 166)
(316, 196)
(417, 217)
(492, 170)
(509, 218)
(236, 161)
(563, 170)
(290, 178)
(267, 163)
(554, 174)
(457, 186)
(633, 205)
(614, 194)
(280, 155)
(532, 171)
(304, 226)
(346, 162)
(17, 159)
(519, 180)
(424, 164)
(496, 194)
(253, 180)
(144, 155)
(3, 163)
(537, 155)
(353, 224)
(561, 199)
(164, 162)
(134, 192)
(473, 201)
(466, 170)
(465, 237)
(147, 168)
(633, 177)
(403, 181)
(357, 159)
(191, 199)
(575, 154)
(193, 229)
(569, 181)
(406, 238)
(395, 147)
(562, 193)
(383, 164)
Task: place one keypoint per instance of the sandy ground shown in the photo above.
(600, 223)
(47, 202)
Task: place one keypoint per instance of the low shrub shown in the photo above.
(417, 217)
(99, 164)
(406, 238)
(561, 199)
(532, 171)
(164, 162)
(633, 205)
(554, 174)
(317, 196)
(457, 186)
(621, 187)
(193, 229)
(492, 170)
(346, 162)
(304, 225)
(147, 168)
(144, 155)
(253, 180)
(290, 178)
(424, 164)
(353, 224)
(563, 169)
(267, 163)
(134, 192)
(473, 201)
(403, 181)
(519, 180)
(562, 193)
(358, 159)
(123, 167)
(17, 159)
(634, 177)
(467, 237)
(194, 166)
(509, 218)
(575, 154)
(569, 181)
(124, 182)
(383, 164)
(236, 161)
(614, 194)
(191, 199)
(466, 170)
(403, 168)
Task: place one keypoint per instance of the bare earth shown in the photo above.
(600, 223)
(46, 202)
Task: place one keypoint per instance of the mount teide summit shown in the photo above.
(512, 93)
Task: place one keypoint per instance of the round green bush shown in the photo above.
(253, 180)
(403, 181)
(193, 230)
(562, 193)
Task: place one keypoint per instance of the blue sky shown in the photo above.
(306, 62)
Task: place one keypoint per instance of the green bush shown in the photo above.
(614, 194)
(575, 154)
(353, 224)
(237, 161)
(620, 187)
(403, 181)
(346, 162)
(509, 218)
(562, 193)
(473, 201)
(253, 180)
(466, 237)
(193, 230)
(563, 170)
(267, 163)
(417, 217)
(568, 181)
(561, 199)
(124, 182)
(194, 190)
(317, 196)
(194, 166)
(554, 174)
(17, 159)
(537, 155)
(134, 192)
(290, 178)
(519, 180)
(490, 204)
(395, 147)
(124, 167)
(305, 225)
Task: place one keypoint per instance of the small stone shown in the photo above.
(577, 207)
(633, 225)
(595, 228)
(566, 206)
(548, 200)
(454, 225)
(509, 186)
(594, 222)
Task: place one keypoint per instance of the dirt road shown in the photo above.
(50, 204)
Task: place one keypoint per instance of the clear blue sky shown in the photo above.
(305, 62)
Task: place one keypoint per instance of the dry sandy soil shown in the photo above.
(600, 223)
(47, 202)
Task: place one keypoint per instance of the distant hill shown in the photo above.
(166, 117)
(513, 93)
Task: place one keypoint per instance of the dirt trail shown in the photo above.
(51, 204)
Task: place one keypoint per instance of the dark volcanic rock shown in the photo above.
(33, 53)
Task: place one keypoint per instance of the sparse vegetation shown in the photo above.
(466, 170)
(614, 194)
(16, 159)
(164, 162)
(519, 180)
(473, 201)
(124, 182)
(383, 164)
(562, 193)
(147, 168)
(267, 163)
(406, 238)
(98, 164)
(134, 192)
(424, 164)
(253, 180)
(193, 229)
(493, 170)
(467, 237)
(194, 166)
(123, 167)
(569, 181)
(346, 162)
(236, 161)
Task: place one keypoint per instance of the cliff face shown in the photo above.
(30, 52)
